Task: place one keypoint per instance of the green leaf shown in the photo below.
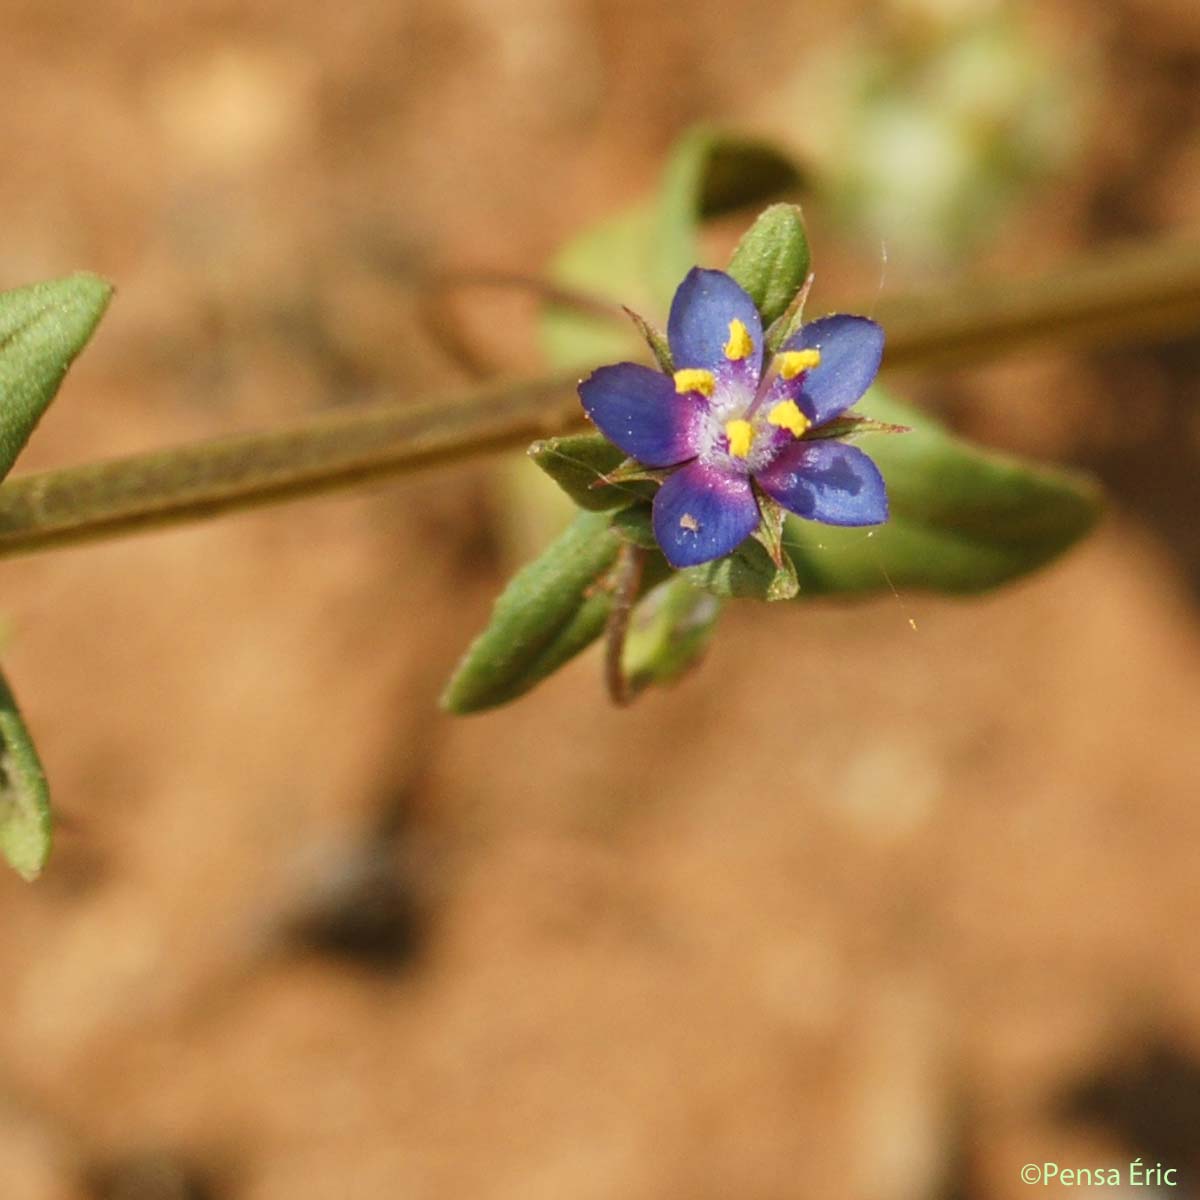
(25, 823)
(609, 260)
(550, 611)
(42, 328)
(639, 257)
(772, 260)
(964, 519)
(577, 463)
(668, 633)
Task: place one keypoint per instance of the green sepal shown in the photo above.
(25, 820)
(634, 525)
(848, 427)
(42, 328)
(772, 260)
(963, 519)
(578, 464)
(632, 471)
(655, 339)
(791, 320)
(770, 535)
(770, 526)
(669, 633)
(746, 574)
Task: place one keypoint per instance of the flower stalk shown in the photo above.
(625, 582)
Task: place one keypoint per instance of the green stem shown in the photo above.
(338, 449)
(1145, 292)
(1149, 291)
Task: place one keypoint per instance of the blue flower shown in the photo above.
(736, 422)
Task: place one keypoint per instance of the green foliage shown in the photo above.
(669, 634)
(746, 574)
(577, 462)
(25, 821)
(638, 257)
(963, 519)
(42, 328)
(551, 609)
(633, 525)
(772, 260)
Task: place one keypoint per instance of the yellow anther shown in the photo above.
(792, 362)
(786, 415)
(740, 344)
(740, 434)
(695, 379)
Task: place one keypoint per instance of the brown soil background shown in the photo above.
(855, 910)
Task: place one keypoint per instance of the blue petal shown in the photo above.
(701, 513)
(827, 481)
(698, 327)
(637, 409)
(851, 350)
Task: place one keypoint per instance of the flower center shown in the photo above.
(736, 435)
(744, 437)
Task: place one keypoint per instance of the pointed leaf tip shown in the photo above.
(772, 260)
(42, 328)
(550, 611)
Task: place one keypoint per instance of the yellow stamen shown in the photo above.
(695, 379)
(741, 435)
(792, 362)
(786, 415)
(740, 344)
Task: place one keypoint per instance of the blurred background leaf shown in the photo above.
(963, 519)
(935, 122)
(638, 257)
(669, 633)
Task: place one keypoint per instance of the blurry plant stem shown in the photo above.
(625, 582)
(1148, 292)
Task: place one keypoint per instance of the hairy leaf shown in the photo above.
(42, 328)
(551, 609)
